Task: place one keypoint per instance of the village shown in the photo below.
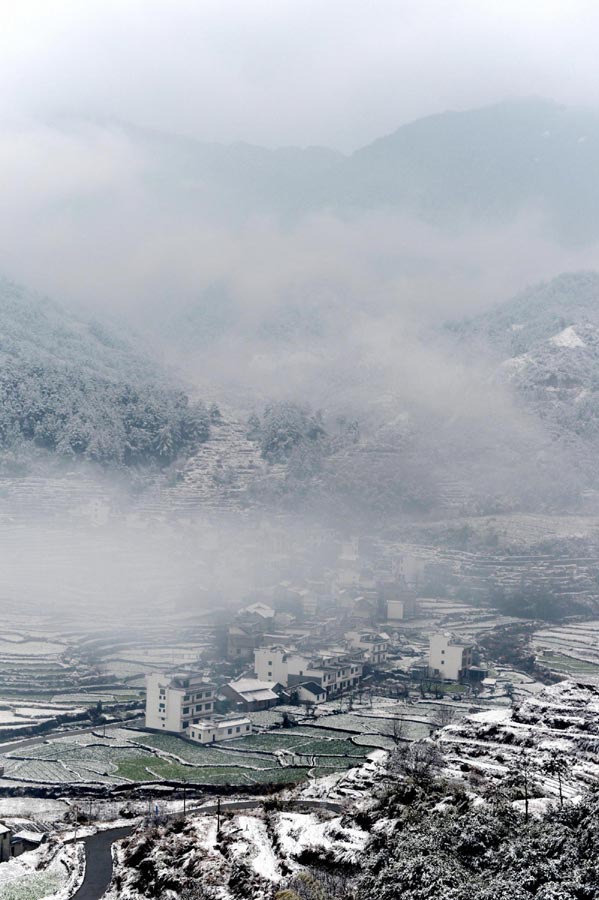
(303, 689)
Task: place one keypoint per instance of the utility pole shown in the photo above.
(217, 818)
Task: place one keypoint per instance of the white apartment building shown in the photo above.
(448, 656)
(174, 701)
(373, 645)
(335, 672)
(220, 728)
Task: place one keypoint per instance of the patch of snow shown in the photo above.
(567, 338)
(263, 860)
(302, 831)
(492, 715)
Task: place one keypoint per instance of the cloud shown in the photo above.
(299, 71)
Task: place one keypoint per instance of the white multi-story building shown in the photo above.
(373, 645)
(449, 657)
(333, 671)
(220, 728)
(174, 701)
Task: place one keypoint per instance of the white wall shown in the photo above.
(445, 657)
(395, 610)
(163, 711)
(277, 671)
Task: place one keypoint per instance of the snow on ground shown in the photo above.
(353, 784)
(567, 338)
(492, 715)
(32, 808)
(561, 717)
(42, 873)
(255, 843)
(329, 839)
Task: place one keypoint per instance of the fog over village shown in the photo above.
(299, 450)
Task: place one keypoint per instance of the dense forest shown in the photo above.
(79, 390)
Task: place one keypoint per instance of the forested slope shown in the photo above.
(79, 390)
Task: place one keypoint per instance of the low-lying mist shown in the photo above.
(343, 312)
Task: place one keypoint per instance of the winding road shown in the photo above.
(98, 847)
(98, 863)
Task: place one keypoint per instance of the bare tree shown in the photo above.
(558, 766)
(419, 762)
(444, 715)
(520, 776)
(399, 730)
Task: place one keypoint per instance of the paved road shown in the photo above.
(98, 863)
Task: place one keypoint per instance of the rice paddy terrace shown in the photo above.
(561, 718)
(571, 650)
(52, 677)
(129, 757)
(479, 556)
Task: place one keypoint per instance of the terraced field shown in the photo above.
(125, 755)
(571, 649)
(560, 718)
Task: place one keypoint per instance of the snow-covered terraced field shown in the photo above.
(126, 755)
(41, 873)
(571, 649)
(258, 850)
(563, 717)
(331, 742)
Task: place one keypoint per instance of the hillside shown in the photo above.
(488, 164)
(545, 343)
(453, 169)
(75, 389)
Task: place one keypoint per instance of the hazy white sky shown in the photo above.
(335, 72)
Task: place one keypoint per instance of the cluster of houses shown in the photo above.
(185, 703)
(302, 643)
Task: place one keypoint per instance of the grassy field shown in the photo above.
(277, 757)
(160, 769)
(562, 663)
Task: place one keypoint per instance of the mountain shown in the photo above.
(545, 343)
(489, 164)
(77, 389)
(455, 169)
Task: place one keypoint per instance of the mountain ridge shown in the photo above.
(451, 169)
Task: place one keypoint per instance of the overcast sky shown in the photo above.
(332, 72)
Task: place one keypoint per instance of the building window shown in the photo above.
(229, 731)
